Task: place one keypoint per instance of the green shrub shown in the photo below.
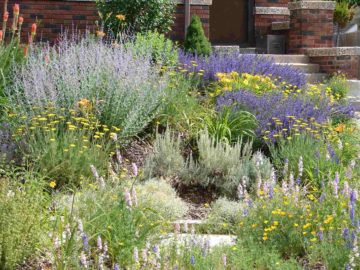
(161, 198)
(217, 164)
(23, 219)
(137, 15)
(195, 40)
(161, 49)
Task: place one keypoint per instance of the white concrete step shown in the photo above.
(354, 88)
(289, 58)
(210, 240)
(305, 67)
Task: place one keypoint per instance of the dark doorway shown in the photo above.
(229, 22)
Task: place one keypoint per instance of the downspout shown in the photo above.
(187, 14)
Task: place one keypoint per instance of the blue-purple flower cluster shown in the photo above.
(279, 115)
(241, 63)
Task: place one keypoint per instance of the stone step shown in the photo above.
(226, 49)
(210, 240)
(305, 67)
(354, 88)
(249, 50)
(316, 77)
(289, 58)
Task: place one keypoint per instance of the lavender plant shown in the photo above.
(125, 91)
(279, 115)
(246, 63)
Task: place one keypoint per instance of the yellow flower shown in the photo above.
(52, 184)
(100, 34)
(265, 238)
(120, 17)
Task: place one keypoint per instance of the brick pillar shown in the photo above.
(311, 25)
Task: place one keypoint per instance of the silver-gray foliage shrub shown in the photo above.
(218, 164)
(125, 91)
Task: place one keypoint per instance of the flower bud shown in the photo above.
(33, 29)
(1, 35)
(16, 9)
(21, 20)
(6, 16)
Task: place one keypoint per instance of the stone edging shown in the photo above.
(280, 25)
(180, 2)
(272, 11)
(337, 51)
(327, 5)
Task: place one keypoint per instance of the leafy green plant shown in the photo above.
(230, 126)
(161, 49)
(195, 40)
(137, 15)
(23, 218)
(343, 13)
(338, 85)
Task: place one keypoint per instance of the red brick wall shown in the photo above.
(347, 64)
(263, 23)
(310, 28)
(56, 15)
(271, 3)
(178, 29)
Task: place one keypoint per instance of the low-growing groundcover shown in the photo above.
(276, 160)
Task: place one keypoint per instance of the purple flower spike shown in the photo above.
(192, 260)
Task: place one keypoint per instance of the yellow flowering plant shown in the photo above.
(62, 144)
(295, 221)
(234, 81)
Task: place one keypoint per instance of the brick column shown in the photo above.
(311, 25)
(331, 60)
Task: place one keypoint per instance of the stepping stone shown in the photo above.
(213, 240)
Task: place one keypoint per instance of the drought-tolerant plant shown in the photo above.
(320, 158)
(101, 226)
(23, 217)
(338, 85)
(195, 40)
(166, 159)
(125, 91)
(159, 196)
(225, 214)
(137, 15)
(241, 63)
(281, 115)
(215, 164)
(233, 81)
(63, 147)
(301, 223)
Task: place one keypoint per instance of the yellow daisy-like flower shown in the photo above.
(52, 184)
(120, 17)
